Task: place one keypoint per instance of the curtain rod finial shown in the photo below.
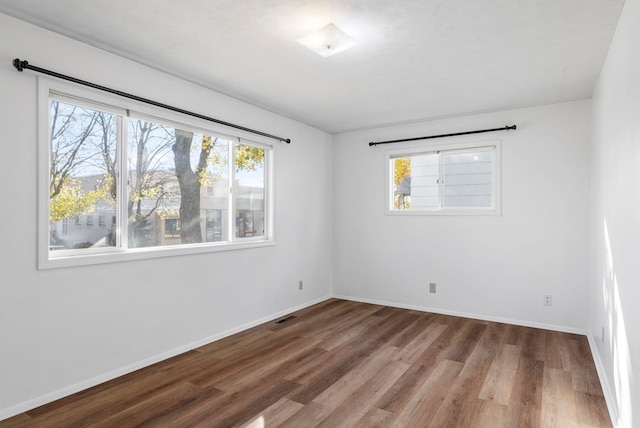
(20, 65)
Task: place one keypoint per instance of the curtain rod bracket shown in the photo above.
(21, 65)
(506, 128)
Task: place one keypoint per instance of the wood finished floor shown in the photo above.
(348, 364)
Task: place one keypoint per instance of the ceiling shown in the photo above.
(415, 59)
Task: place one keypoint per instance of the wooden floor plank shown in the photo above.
(275, 415)
(284, 359)
(414, 349)
(534, 344)
(403, 391)
(584, 375)
(425, 403)
(311, 415)
(485, 351)
(18, 421)
(230, 409)
(514, 334)
(350, 330)
(254, 402)
(349, 364)
(375, 418)
(155, 407)
(458, 406)
(241, 361)
(558, 402)
(332, 322)
(413, 330)
(347, 386)
(352, 409)
(591, 410)
(489, 414)
(499, 381)
(525, 406)
(463, 346)
(557, 351)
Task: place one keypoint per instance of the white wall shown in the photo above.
(491, 267)
(64, 329)
(615, 256)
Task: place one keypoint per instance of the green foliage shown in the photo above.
(146, 192)
(401, 170)
(206, 148)
(249, 158)
(71, 201)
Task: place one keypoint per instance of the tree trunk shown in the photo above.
(188, 180)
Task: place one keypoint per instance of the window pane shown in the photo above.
(82, 176)
(401, 170)
(424, 181)
(249, 193)
(415, 180)
(175, 178)
(215, 193)
(468, 179)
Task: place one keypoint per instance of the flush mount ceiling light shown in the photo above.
(328, 40)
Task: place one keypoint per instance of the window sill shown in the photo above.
(446, 212)
(146, 253)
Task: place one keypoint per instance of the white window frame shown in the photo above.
(86, 97)
(444, 148)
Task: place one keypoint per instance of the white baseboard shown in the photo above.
(609, 397)
(523, 323)
(80, 386)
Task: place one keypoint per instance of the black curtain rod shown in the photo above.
(506, 128)
(21, 65)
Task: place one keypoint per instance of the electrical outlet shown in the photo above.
(300, 285)
(548, 300)
(432, 287)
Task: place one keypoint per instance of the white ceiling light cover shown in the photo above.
(327, 41)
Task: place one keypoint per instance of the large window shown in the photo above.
(170, 184)
(451, 179)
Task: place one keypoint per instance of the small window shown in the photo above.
(462, 180)
(172, 228)
(89, 220)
